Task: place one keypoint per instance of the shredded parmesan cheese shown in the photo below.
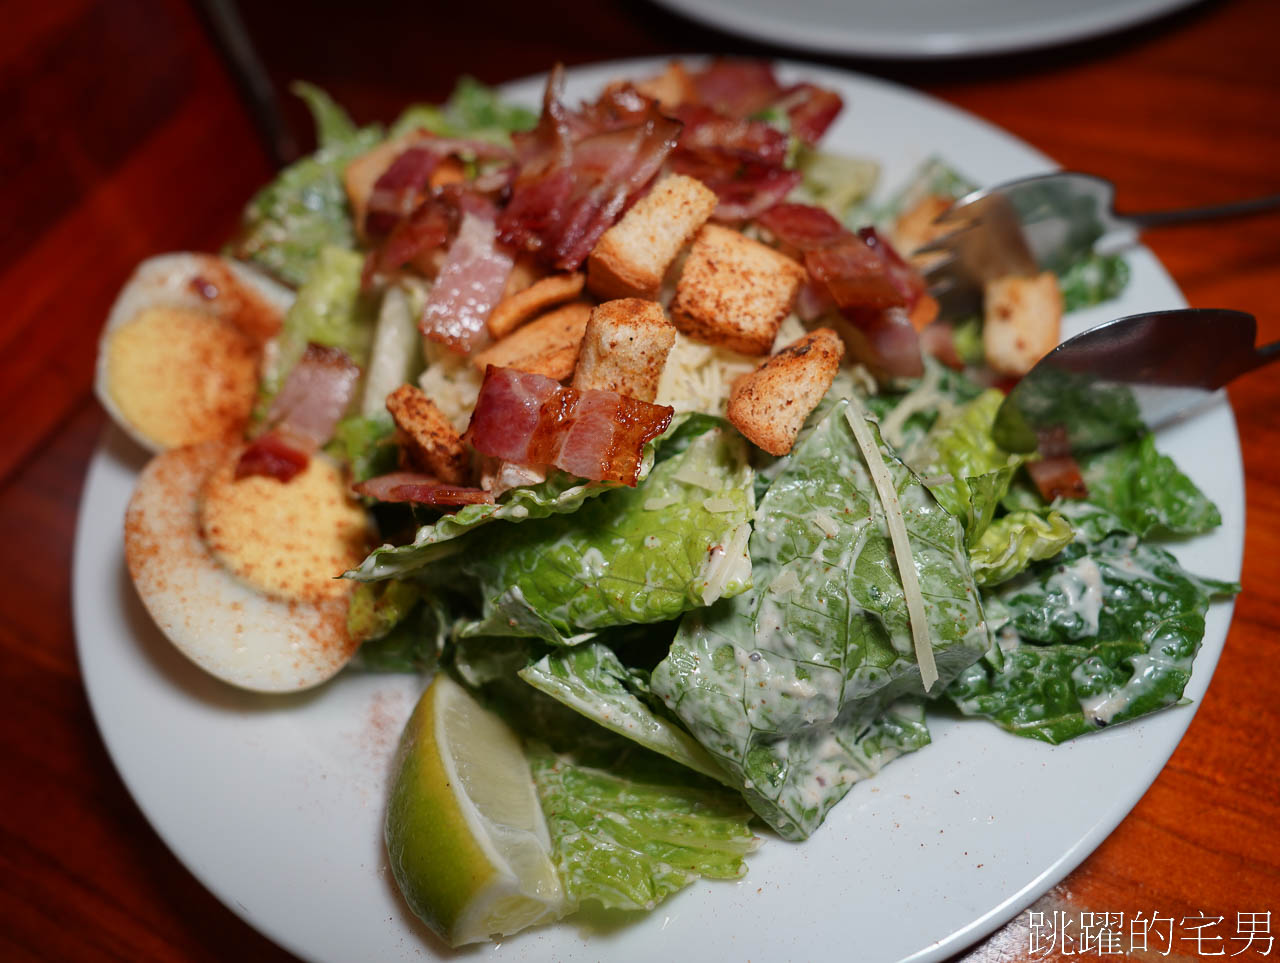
(881, 478)
(657, 504)
(826, 524)
(716, 504)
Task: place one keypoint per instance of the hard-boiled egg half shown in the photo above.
(179, 357)
(241, 575)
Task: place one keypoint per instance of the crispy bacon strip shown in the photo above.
(420, 489)
(1058, 477)
(303, 415)
(395, 192)
(863, 276)
(532, 420)
(470, 282)
(580, 170)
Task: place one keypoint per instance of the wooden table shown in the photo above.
(124, 136)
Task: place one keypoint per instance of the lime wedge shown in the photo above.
(466, 837)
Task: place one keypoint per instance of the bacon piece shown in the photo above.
(864, 277)
(579, 171)
(531, 420)
(1058, 477)
(427, 229)
(811, 110)
(736, 88)
(303, 415)
(395, 192)
(420, 489)
(271, 455)
(470, 281)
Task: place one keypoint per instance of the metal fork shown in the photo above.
(1047, 221)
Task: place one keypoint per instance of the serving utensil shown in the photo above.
(1127, 376)
(1047, 221)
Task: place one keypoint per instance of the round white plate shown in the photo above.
(276, 803)
(921, 28)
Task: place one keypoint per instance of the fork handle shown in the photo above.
(1188, 215)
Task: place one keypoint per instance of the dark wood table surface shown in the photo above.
(123, 135)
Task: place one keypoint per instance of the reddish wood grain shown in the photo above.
(125, 138)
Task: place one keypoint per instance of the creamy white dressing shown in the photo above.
(1080, 584)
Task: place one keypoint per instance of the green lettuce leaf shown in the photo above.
(967, 472)
(473, 110)
(304, 210)
(1014, 541)
(560, 494)
(1092, 279)
(592, 680)
(834, 181)
(779, 683)
(1099, 635)
(1146, 492)
(674, 542)
(402, 627)
(329, 310)
(366, 445)
(333, 124)
(629, 834)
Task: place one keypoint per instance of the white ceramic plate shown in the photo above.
(276, 803)
(921, 28)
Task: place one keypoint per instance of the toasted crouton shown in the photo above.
(631, 258)
(625, 348)
(1022, 321)
(433, 441)
(547, 345)
(671, 88)
(733, 291)
(770, 405)
(513, 311)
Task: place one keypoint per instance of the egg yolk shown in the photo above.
(289, 539)
(181, 376)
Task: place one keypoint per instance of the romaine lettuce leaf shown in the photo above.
(1146, 491)
(560, 494)
(967, 472)
(333, 125)
(674, 542)
(779, 683)
(628, 834)
(329, 310)
(366, 445)
(402, 627)
(1092, 279)
(473, 110)
(304, 210)
(1099, 635)
(592, 680)
(1014, 541)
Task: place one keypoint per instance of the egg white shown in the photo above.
(223, 625)
(205, 283)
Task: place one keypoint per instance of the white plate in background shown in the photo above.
(921, 28)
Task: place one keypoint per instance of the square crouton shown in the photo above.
(770, 405)
(733, 291)
(1022, 321)
(434, 444)
(547, 345)
(632, 257)
(625, 348)
(515, 310)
